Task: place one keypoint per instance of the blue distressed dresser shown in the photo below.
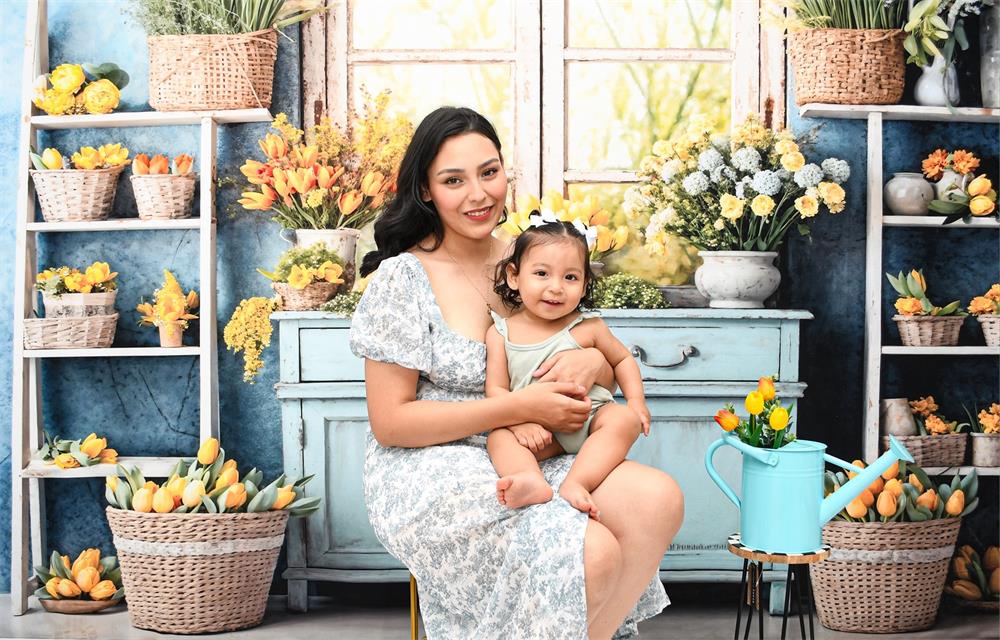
(693, 361)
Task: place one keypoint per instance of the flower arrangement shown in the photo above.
(343, 304)
(929, 422)
(249, 330)
(71, 92)
(740, 193)
(986, 304)
(913, 301)
(302, 266)
(602, 237)
(181, 17)
(160, 165)
(977, 198)
(934, 27)
(106, 156)
(768, 422)
(328, 177)
(211, 484)
(97, 278)
(89, 577)
(969, 574)
(960, 161)
(625, 291)
(171, 308)
(68, 454)
(904, 493)
(834, 14)
(986, 421)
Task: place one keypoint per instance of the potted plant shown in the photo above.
(204, 527)
(83, 192)
(327, 183)
(986, 308)
(215, 54)
(170, 310)
(163, 190)
(985, 436)
(934, 28)
(626, 291)
(67, 90)
(951, 172)
(306, 278)
(920, 322)
(89, 584)
(79, 309)
(736, 199)
(939, 441)
(975, 579)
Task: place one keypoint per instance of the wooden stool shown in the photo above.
(753, 572)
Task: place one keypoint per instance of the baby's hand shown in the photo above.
(533, 436)
(639, 406)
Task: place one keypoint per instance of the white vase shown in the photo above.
(343, 242)
(737, 279)
(937, 85)
(896, 417)
(950, 180)
(908, 194)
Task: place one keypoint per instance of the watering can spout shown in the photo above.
(839, 499)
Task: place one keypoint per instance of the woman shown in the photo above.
(486, 571)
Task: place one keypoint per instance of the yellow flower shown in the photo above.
(831, 192)
(762, 205)
(793, 161)
(99, 272)
(103, 590)
(54, 103)
(193, 493)
(66, 461)
(227, 478)
(924, 406)
(113, 154)
(754, 402)
(980, 186)
(314, 198)
(786, 146)
(909, 306)
(101, 96)
(778, 418)
(807, 206)
(249, 330)
(300, 277)
(981, 206)
(285, 496)
(372, 183)
(330, 271)
(732, 207)
(93, 446)
(142, 501)
(719, 224)
(990, 422)
(52, 587)
(52, 159)
(994, 293)
(208, 452)
(67, 588)
(67, 78)
(163, 501)
(176, 486)
(236, 495)
(87, 558)
(981, 304)
(663, 149)
(109, 456)
(87, 158)
(936, 425)
(87, 579)
(273, 146)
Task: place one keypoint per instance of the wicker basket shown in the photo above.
(883, 577)
(197, 573)
(164, 197)
(92, 332)
(201, 72)
(76, 195)
(311, 297)
(929, 331)
(79, 305)
(991, 329)
(945, 450)
(848, 66)
(985, 449)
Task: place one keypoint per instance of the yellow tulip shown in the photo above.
(886, 505)
(349, 201)
(305, 156)
(109, 456)
(67, 588)
(93, 446)
(191, 301)
(66, 461)
(52, 159)
(604, 239)
(236, 495)
(87, 558)
(65, 561)
(227, 478)
(176, 486)
(754, 402)
(52, 587)
(273, 146)
(163, 501)
(915, 482)
(142, 501)
(956, 503)
(766, 387)
(778, 418)
(981, 206)
(372, 183)
(980, 186)
(111, 482)
(285, 496)
(620, 237)
(87, 579)
(152, 486)
(67, 78)
(193, 493)
(103, 590)
(208, 452)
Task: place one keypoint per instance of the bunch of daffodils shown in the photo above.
(171, 308)
(913, 301)
(68, 454)
(89, 577)
(768, 422)
(67, 89)
(107, 156)
(97, 278)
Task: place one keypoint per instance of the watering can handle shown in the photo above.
(714, 475)
(841, 463)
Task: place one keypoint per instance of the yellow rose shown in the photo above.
(52, 159)
(101, 96)
(981, 206)
(113, 154)
(762, 205)
(53, 102)
(662, 148)
(67, 78)
(807, 206)
(732, 207)
(86, 158)
(786, 146)
(980, 186)
(831, 192)
(300, 277)
(793, 161)
(909, 306)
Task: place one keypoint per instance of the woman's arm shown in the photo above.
(585, 367)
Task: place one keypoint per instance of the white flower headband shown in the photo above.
(542, 218)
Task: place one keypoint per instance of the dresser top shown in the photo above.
(637, 314)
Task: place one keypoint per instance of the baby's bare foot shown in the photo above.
(523, 489)
(576, 495)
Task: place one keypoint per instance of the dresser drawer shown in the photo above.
(325, 356)
(722, 352)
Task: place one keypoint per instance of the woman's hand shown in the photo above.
(584, 367)
(561, 407)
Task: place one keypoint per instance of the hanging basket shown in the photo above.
(163, 197)
(311, 297)
(929, 331)
(883, 577)
(991, 329)
(848, 66)
(945, 450)
(93, 332)
(197, 573)
(76, 195)
(217, 71)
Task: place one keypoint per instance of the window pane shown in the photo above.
(441, 24)
(654, 24)
(615, 111)
(418, 89)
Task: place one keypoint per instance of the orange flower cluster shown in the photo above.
(159, 165)
(960, 161)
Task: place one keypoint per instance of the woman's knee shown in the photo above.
(602, 558)
(660, 499)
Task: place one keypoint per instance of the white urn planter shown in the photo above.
(737, 279)
(343, 242)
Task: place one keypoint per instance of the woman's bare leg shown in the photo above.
(602, 565)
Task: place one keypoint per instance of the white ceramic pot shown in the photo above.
(737, 279)
(908, 194)
(343, 242)
(986, 449)
(950, 180)
(896, 417)
(79, 305)
(937, 85)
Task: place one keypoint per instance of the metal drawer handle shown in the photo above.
(687, 351)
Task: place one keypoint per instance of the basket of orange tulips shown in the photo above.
(163, 190)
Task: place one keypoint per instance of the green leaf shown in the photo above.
(36, 160)
(970, 485)
(944, 491)
(110, 497)
(119, 594)
(123, 495)
(910, 44)
(939, 23)
(970, 507)
(56, 564)
(898, 285)
(209, 505)
(42, 594)
(115, 575)
(963, 40)
(108, 563)
(43, 574)
(263, 500)
(301, 482)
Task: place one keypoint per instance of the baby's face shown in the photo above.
(551, 279)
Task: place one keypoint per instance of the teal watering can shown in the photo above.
(783, 509)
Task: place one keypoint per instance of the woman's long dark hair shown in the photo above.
(407, 219)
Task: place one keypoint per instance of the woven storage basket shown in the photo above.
(79, 305)
(76, 195)
(199, 72)
(883, 577)
(946, 450)
(848, 66)
(163, 197)
(92, 332)
(991, 329)
(311, 297)
(929, 331)
(197, 573)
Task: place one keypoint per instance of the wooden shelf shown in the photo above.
(150, 467)
(891, 220)
(950, 471)
(113, 352)
(120, 224)
(150, 119)
(899, 112)
(941, 351)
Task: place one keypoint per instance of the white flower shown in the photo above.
(836, 170)
(739, 190)
(671, 168)
(783, 174)
(719, 224)
(746, 160)
(766, 182)
(720, 141)
(809, 176)
(696, 183)
(709, 159)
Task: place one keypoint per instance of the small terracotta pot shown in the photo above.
(171, 335)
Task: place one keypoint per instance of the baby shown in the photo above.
(546, 281)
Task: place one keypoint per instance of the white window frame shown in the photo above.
(757, 60)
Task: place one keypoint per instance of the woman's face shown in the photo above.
(468, 185)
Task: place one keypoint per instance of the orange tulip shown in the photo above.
(285, 496)
(867, 498)
(68, 589)
(915, 482)
(876, 486)
(326, 176)
(103, 590)
(273, 146)
(766, 387)
(254, 201)
(894, 486)
(305, 156)
(302, 180)
(956, 503)
(856, 508)
(87, 579)
(727, 420)
(282, 184)
(928, 499)
(887, 504)
(349, 201)
(182, 164)
(257, 172)
(891, 472)
(163, 501)
(140, 165)
(371, 184)
(236, 495)
(227, 478)
(159, 165)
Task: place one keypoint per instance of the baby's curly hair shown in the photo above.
(550, 232)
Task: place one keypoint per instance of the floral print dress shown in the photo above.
(484, 571)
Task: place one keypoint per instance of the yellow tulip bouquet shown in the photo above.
(767, 426)
(913, 301)
(209, 484)
(904, 493)
(67, 89)
(975, 577)
(107, 156)
(89, 577)
(97, 278)
(171, 308)
(68, 454)
(930, 422)
(328, 177)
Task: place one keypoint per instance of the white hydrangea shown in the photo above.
(720, 141)
(696, 183)
(710, 159)
(746, 160)
(670, 169)
(766, 182)
(657, 223)
(836, 169)
(740, 189)
(808, 176)
(783, 174)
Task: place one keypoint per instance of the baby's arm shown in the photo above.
(627, 373)
(497, 375)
